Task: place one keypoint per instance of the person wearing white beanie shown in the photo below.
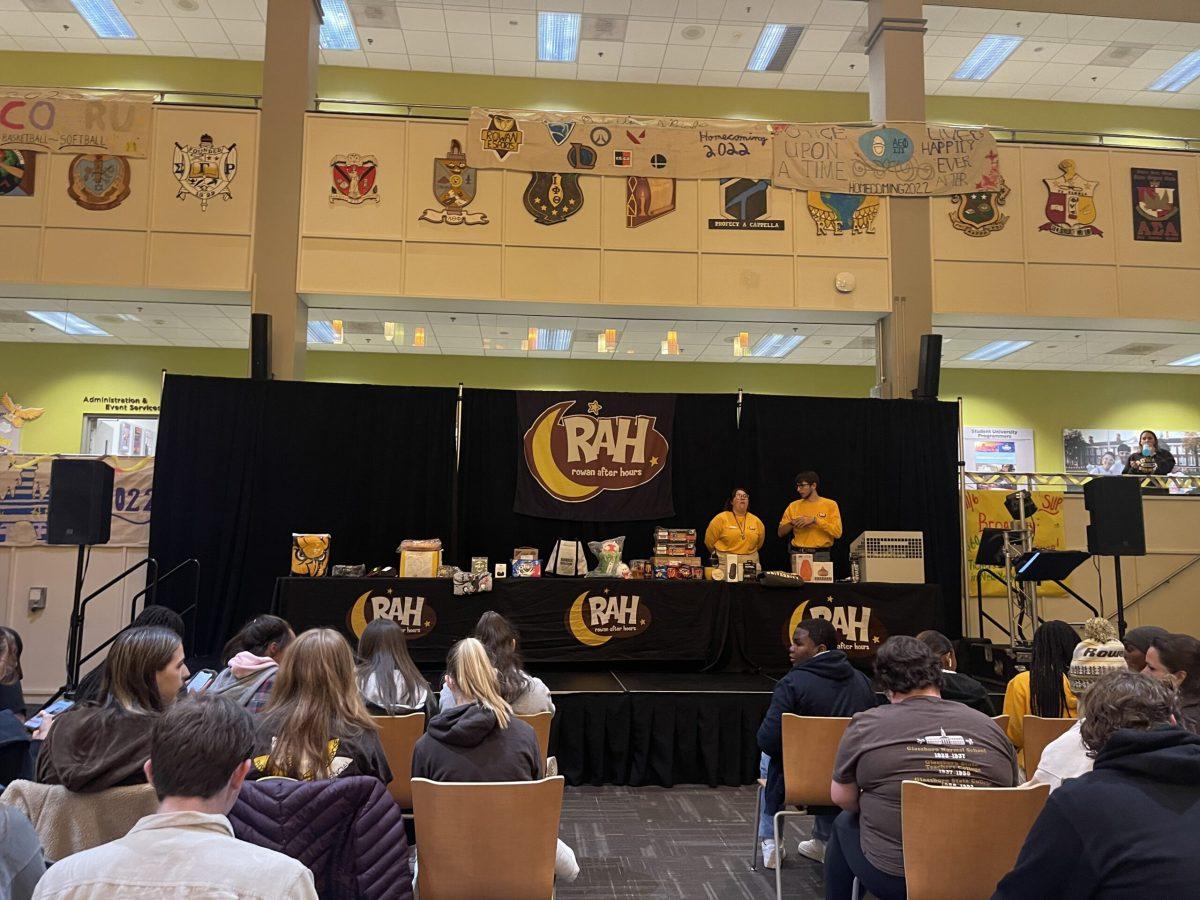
(1099, 653)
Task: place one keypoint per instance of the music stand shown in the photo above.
(991, 546)
(1052, 565)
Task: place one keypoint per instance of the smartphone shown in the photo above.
(58, 706)
(200, 681)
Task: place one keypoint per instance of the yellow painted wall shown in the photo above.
(437, 88)
(1048, 402)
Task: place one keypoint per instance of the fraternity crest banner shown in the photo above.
(49, 120)
(529, 141)
(598, 457)
(907, 159)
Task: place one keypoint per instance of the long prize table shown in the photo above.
(707, 626)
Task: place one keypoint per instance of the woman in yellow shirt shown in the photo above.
(737, 530)
(1043, 690)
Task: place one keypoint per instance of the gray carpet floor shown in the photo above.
(686, 841)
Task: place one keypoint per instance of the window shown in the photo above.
(119, 435)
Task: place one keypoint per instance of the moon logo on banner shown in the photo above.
(538, 444)
(796, 619)
(579, 628)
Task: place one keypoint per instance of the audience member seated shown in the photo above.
(12, 697)
(390, 682)
(955, 685)
(1137, 642)
(1175, 658)
(918, 735)
(315, 724)
(821, 683)
(199, 757)
(1131, 826)
(1043, 690)
(21, 863)
(91, 685)
(1098, 654)
(98, 745)
(252, 662)
(476, 737)
(524, 693)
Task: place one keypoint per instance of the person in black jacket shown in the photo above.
(821, 683)
(1149, 459)
(956, 685)
(1131, 826)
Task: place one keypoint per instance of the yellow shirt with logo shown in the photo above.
(823, 532)
(728, 534)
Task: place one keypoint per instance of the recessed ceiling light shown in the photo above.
(558, 36)
(1190, 361)
(320, 332)
(337, 26)
(774, 48)
(987, 56)
(105, 19)
(776, 345)
(995, 350)
(693, 32)
(67, 323)
(549, 339)
(1179, 75)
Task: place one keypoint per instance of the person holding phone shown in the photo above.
(101, 744)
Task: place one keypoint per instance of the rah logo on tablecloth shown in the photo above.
(415, 615)
(595, 619)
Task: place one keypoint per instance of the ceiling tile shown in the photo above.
(841, 83)
(143, 7)
(940, 67)
(1077, 53)
(379, 40)
(151, 28)
(469, 66)
(470, 46)
(1102, 29)
(840, 12)
(798, 82)
(737, 36)
(641, 31)
(583, 72)
(1036, 91)
(422, 63)
(234, 9)
(823, 39)
(517, 24)
(468, 21)
(249, 51)
(793, 12)
(643, 55)
(171, 48)
(692, 34)
(1148, 32)
(1015, 72)
(413, 18)
(600, 53)
(809, 62)
(681, 57)
(953, 45)
(678, 76)
(638, 73)
(760, 79)
(714, 78)
(514, 48)
(607, 7)
(82, 45)
(1131, 79)
(1095, 76)
(1034, 50)
(555, 70)
(427, 43)
(959, 88)
(215, 51)
(727, 59)
(1055, 73)
(746, 11)
(1018, 23)
(1158, 59)
(974, 21)
(203, 31)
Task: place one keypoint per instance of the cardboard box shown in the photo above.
(822, 572)
(420, 563)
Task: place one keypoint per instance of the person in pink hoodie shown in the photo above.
(253, 656)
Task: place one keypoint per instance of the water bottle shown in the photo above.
(854, 570)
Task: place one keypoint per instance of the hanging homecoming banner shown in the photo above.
(595, 456)
(911, 159)
(526, 141)
(49, 120)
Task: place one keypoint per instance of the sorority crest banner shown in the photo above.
(985, 509)
(528, 141)
(912, 159)
(595, 457)
(48, 120)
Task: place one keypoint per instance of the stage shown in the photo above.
(655, 682)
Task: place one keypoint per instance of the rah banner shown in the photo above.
(906, 159)
(526, 141)
(595, 457)
(48, 120)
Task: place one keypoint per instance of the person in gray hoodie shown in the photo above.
(253, 656)
(526, 694)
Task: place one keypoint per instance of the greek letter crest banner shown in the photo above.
(529, 141)
(906, 159)
(597, 457)
(48, 120)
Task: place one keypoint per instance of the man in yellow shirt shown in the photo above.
(813, 522)
(736, 530)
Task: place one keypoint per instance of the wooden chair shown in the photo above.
(399, 734)
(511, 858)
(810, 746)
(1039, 733)
(1002, 721)
(541, 727)
(959, 841)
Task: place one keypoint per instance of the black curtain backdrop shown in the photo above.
(241, 465)
(891, 465)
(704, 451)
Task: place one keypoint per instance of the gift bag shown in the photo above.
(310, 554)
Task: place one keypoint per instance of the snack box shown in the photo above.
(674, 534)
(526, 568)
(674, 550)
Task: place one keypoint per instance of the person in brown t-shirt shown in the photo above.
(918, 736)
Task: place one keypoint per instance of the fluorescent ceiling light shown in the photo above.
(774, 48)
(320, 333)
(1179, 75)
(987, 57)
(67, 323)
(104, 17)
(558, 36)
(1190, 361)
(995, 350)
(337, 27)
(550, 338)
(775, 345)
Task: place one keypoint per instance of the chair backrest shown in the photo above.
(67, 822)
(810, 746)
(399, 734)
(541, 727)
(960, 841)
(459, 858)
(1002, 721)
(1039, 733)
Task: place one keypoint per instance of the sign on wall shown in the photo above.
(998, 449)
(50, 120)
(595, 456)
(908, 159)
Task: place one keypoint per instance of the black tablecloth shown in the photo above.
(578, 622)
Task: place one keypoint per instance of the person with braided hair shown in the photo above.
(1043, 690)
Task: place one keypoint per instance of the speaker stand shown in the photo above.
(74, 631)
(1120, 598)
